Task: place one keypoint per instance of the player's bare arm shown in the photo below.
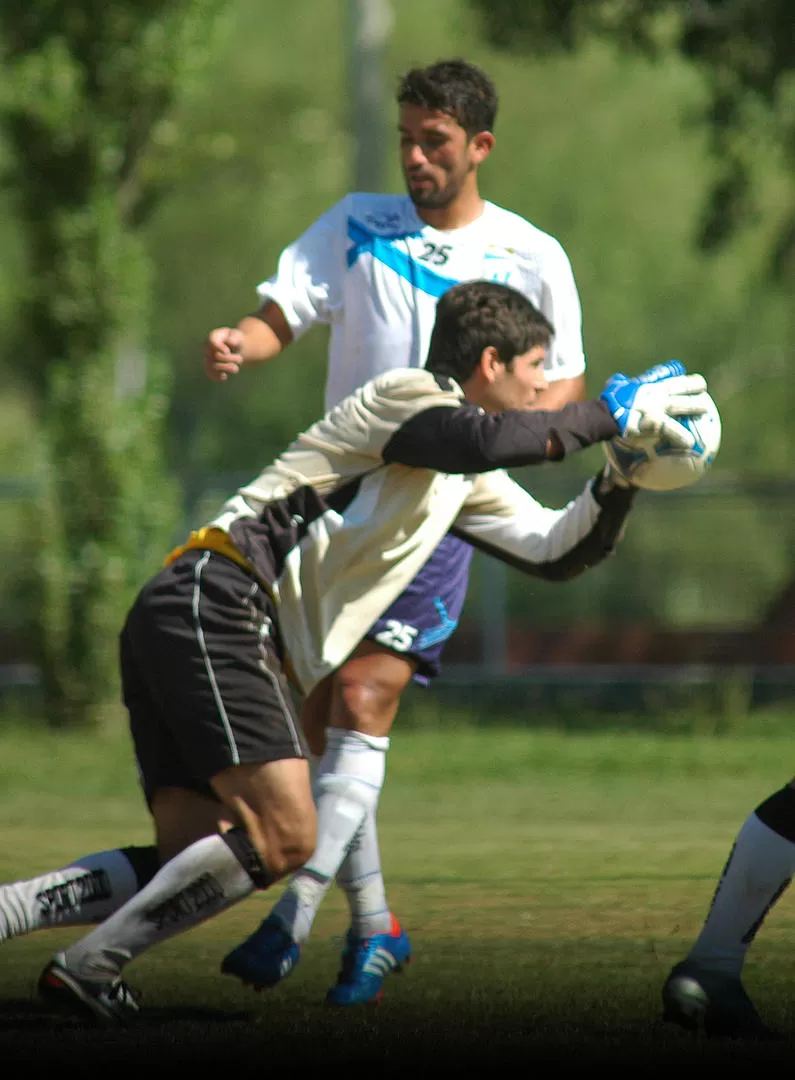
(255, 339)
(560, 393)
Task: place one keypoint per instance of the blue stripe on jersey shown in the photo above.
(382, 249)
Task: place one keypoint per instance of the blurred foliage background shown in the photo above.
(610, 135)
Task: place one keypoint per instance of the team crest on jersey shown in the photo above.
(385, 221)
(510, 267)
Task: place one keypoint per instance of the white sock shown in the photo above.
(360, 877)
(349, 780)
(84, 892)
(759, 869)
(199, 882)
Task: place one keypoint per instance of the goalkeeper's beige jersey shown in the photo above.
(340, 524)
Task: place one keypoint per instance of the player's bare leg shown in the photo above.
(315, 714)
(705, 990)
(359, 702)
(274, 803)
(182, 817)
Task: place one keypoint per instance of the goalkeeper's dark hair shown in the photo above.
(455, 87)
(478, 314)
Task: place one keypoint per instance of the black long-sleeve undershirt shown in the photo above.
(468, 440)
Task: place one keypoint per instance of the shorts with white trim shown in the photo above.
(202, 678)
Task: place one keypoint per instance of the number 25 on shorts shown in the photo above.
(397, 635)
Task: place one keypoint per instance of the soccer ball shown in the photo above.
(656, 465)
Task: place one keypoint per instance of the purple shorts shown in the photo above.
(425, 615)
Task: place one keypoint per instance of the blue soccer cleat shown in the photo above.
(366, 962)
(264, 958)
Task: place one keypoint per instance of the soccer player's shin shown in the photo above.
(759, 869)
(361, 879)
(705, 990)
(347, 787)
(198, 883)
(86, 891)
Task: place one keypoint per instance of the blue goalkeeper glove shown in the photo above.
(648, 404)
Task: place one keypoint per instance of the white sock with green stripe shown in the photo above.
(348, 785)
(362, 881)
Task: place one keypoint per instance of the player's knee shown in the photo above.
(289, 852)
(300, 844)
(286, 847)
(363, 700)
(361, 704)
(366, 690)
(265, 864)
(287, 860)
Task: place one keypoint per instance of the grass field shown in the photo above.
(547, 881)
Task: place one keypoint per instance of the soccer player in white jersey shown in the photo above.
(373, 267)
(286, 578)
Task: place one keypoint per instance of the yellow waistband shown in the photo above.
(211, 538)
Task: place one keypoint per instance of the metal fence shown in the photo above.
(698, 604)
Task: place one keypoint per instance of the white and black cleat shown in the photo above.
(699, 999)
(109, 1003)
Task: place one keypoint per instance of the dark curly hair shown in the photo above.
(455, 87)
(478, 314)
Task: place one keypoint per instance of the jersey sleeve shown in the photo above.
(307, 284)
(560, 302)
(502, 519)
(465, 439)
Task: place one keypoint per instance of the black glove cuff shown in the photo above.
(612, 491)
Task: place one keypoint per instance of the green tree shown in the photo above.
(742, 56)
(745, 50)
(87, 84)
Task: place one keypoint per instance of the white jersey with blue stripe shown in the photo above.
(372, 269)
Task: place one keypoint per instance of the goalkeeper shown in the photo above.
(288, 577)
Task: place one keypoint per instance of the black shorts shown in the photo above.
(202, 678)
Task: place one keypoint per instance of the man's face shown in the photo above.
(517, 386)
(436, 155)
